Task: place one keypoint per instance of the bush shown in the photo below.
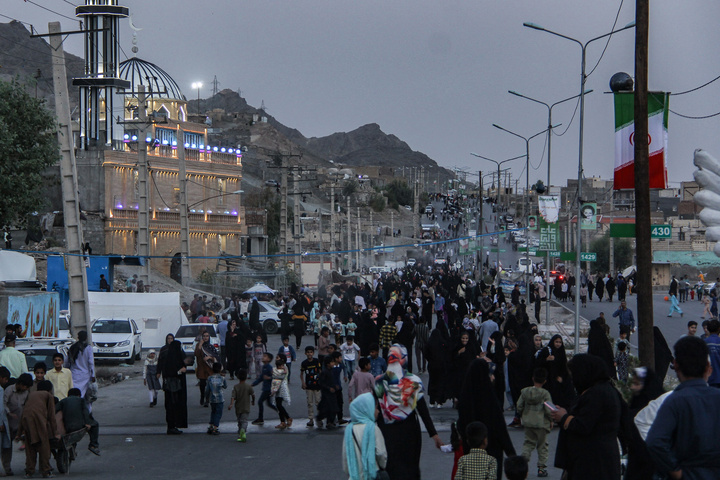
(377, 202)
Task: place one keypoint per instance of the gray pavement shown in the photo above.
(134, 443)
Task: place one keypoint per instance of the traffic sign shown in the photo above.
(494, 250)
(588, 257)
(661, 231)
(555, 254)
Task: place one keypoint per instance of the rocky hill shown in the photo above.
(29, 60)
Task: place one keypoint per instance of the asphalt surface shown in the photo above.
(134, 443)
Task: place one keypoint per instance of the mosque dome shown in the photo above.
(139, 72)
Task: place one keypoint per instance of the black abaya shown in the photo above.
(170, 361)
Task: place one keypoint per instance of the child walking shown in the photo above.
(214, 392)
(150, 377)
(279, 389)
(249, 361)
(537, 419)
(310, 380)
(327, 409)
(477, 464)
(242, 397)
(622, 361)
(350, 352)
(259, 350)
(265, 377)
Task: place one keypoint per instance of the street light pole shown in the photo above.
(498, 163)
(549, 158)
(198, 86)
(527, 197)
(583, 79)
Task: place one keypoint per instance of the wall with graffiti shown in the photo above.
(38, 314)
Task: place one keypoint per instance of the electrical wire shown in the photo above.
(152, 177)
(51, 11)
(577, 104)
(703, 117)
(15, 20)
(617, 15)
(696, 88)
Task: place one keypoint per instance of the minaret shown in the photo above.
(101, 105)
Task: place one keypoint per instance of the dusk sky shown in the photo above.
(433, 73)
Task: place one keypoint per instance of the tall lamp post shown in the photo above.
(583, 78)
(197, 86)
(498, 163)
(549, 157)
(527, 197)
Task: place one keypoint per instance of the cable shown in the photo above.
(695, 118)
(696, 88)
(15, 20)
(51, 11)
(152, 177)
(577, 104)
(69, 3)
(617, 15)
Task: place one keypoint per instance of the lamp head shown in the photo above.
(534, 26)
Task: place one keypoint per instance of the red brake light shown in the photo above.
(560, 277)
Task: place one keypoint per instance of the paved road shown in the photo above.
(134, 443)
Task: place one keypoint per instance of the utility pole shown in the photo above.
(143, 242)
(77, 278)
(612, 240)
(416, 208)
(392, 231)
(283, 207)
(297, 233)
(333, 258)
(349, 236)
(642, 188)
(186, 273)
(357, 243)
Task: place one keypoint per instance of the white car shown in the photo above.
(116, 339)
(524, 265)
(269, 317)
(188, 336)
(410, 262)
(42, 350)
(64, 325)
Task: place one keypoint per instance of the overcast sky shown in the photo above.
(434, 73)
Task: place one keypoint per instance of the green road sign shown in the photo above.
(661, 231)
(494, 250)
(627, 230)
(588, 257)
(555, 254)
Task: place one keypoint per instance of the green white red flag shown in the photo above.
(625, 139)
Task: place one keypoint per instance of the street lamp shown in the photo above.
(198, 86)
(527, 188)
(498, 163)
(549, 150)
(583, 78)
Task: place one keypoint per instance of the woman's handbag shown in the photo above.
(172, 384)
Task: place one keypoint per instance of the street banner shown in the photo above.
(549, 236)
(532, 222)
(549, 206)
(464, 246)
(658, 105)
(588, 217)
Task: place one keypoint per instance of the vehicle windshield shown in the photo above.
(64, 324)
(39, 355)
(111, 326)
(192, 331)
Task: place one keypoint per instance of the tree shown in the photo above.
(28, 145)
(270, 201)
(398, 193)
(601, 246)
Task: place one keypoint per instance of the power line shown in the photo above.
(703, 117)
(15, 20)
(577, 104)
(51, 11)
(696, 88)
(617, 15)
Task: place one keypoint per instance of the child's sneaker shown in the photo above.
(258, 421)
(542, 472)
(311, 423)
(210, 430)
(243, 436)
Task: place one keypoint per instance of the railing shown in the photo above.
(192, 154)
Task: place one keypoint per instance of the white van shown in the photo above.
(524, 265)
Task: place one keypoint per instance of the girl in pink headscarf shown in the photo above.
(401, 399)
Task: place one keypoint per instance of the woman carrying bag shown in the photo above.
(364, 454)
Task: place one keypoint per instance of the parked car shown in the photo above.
(410, 262)
(188, 336)
(271, 183)
(42, 350)
(116, 339)
(64, 325)
(269, 317)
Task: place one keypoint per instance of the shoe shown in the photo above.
(289, 422)
(243, 436)
(311, 423)
(206, 405)
(95, 450)
(202, 401)
(681, 314)
(259, 421)
(49, 474)
(152, 404)
(210, 430)
(331, 425)
(28, 475)
(281, 426)
(174, 431)
(215, 431)
(343, 422)
(542, 472)
(515, 422)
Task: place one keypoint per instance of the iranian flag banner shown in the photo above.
(625, 139)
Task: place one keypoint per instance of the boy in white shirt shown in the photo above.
(350, 351)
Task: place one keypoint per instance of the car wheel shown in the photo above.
(131, 360)
(270, 326)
